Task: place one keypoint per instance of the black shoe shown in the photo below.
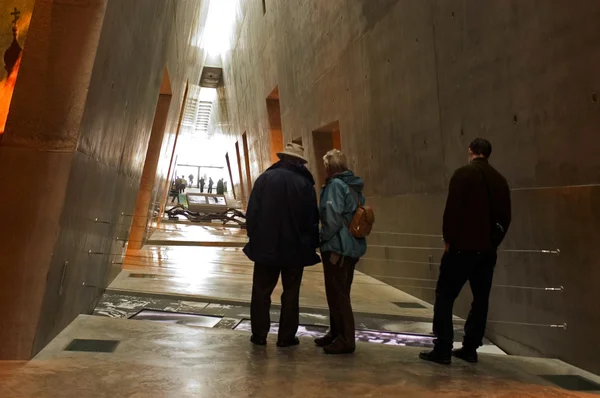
(335, 349)
(436, 356)
(324, 340)
(258, 340)
(466, 354)
(288, 343)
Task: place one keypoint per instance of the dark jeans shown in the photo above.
(263, 283)
(456, 269)
(338, 283)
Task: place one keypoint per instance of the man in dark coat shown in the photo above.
(202, 185)
(476, 218)
(210, 184)
(220, 187)
(283, 227)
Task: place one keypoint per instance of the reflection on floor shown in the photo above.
(191, 234)
(187, 337)
(219, 281)
(177, 318)
(379, 329)
(154, 359)
(362, 336)
(226, 274)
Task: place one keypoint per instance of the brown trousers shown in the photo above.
(339, 273)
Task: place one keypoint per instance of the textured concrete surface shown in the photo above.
(74, 151)
(36, 157)
(157, 360)
(411, 83)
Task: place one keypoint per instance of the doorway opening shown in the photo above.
(325, 139)
(230, 175)
(241, 175)
(146, 200)
(275, 131)
(170, 178)
(247, 162)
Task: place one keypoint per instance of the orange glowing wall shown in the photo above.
(8, 15)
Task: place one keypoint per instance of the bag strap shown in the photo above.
(355, 195)
(356, 198)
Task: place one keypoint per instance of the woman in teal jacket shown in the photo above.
(340, 197)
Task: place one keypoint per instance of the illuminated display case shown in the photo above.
(206, 203)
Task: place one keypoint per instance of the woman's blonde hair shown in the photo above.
(335, 161)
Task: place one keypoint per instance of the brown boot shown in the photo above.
(324, 340)
(338, 347)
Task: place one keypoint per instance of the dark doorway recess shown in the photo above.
(325, 139)
(275, 130)
(239, 163)
(247, 162)
(230, 175)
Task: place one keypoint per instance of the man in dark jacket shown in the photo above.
(476, 218)
(220, 187)
(283, 227)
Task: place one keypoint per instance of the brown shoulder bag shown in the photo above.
(363, 219)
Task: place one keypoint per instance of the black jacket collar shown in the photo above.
(294, 167)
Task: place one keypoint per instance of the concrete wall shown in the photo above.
(411, 82)
(74, 151)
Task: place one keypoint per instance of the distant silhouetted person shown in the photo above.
(210, 184)
(225, 186)
(476, 218)
(182, 184)
(340, 198)
(201, 185)
(191, 178)
(174, 192)
(220, 187)
(283, 227)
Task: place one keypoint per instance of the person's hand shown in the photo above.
(446, 247)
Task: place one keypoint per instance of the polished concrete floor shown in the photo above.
(226, 274)
(201, 356)
(188, 234)
(160, 360)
